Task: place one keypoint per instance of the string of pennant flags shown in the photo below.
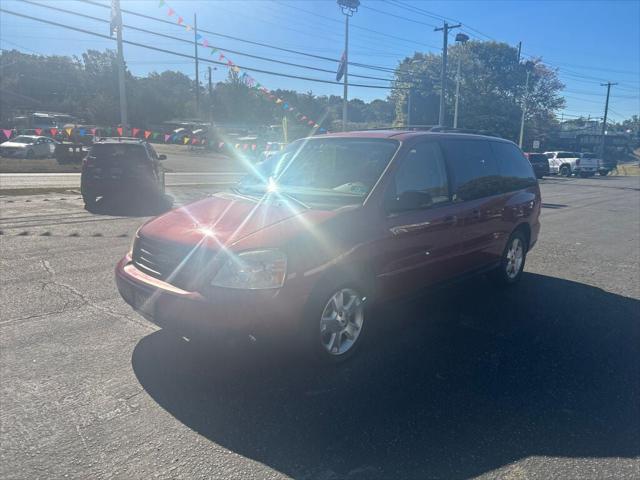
(150, 135)
(246, 78)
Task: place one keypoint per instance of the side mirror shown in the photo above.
(162, 157)
(409, 200)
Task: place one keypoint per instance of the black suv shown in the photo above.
(540, 163)
(121, 165)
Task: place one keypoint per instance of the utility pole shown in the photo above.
(348, 7)
(604, 120)
(409, 106)
(116, 24)
(195, 43)
(519, 50)
(443, 74)
(462, 39)
(210, 96)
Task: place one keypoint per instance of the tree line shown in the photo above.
(492, 87)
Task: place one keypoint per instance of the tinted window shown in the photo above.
(567, 155)
(515, 170)
(538, 158)
(474, 169)
(421, 180)
(109, 152)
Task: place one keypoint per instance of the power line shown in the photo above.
(367, 7)
(184, 55)
(358, 27)
(238, 39)
(549, 63)
(190, 42)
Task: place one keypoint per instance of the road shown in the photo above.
(13, 181)
(541, 381)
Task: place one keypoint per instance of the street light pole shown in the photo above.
(195, 46)
(116, 24)
(524, 109)
(345, 91)
(348, 7)
(443, 74)
(528, 66)
(462, 38)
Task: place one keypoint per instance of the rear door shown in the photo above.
(521, 197)
(420, 243)
(477, 192)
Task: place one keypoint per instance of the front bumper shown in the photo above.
(221, 311)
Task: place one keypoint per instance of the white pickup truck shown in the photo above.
(569, 163)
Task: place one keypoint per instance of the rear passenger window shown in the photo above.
(516, 171)
(474, 169)
(421, 180)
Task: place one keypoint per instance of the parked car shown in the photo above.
(569, 163)
(539, 162)
(28, 146)
(330, 227)
(604, 165)
(120, 165)
(587, 165)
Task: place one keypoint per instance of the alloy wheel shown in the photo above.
(341, 322)
(515, 258)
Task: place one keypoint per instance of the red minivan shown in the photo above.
(319, 233)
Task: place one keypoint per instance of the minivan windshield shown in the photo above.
(338, 170)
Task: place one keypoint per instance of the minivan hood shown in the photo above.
(226, 218)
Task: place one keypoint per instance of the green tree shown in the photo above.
(491, 90)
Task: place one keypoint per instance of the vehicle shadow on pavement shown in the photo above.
(451, 386)
(132, 205)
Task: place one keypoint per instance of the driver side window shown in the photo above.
(421, 181)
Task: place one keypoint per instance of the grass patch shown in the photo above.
(627, 170)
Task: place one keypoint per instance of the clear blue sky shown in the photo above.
(588, 41)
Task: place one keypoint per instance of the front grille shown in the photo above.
(179, 265)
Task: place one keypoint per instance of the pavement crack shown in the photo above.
(84, 299)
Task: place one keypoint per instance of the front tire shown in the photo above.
(30, 154)
(335, 324)
(512, 261)
(603, 173)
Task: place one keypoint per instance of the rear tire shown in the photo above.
(512, 260)
(565, 171)
(90, 201)
(30, 154)
(603, 173)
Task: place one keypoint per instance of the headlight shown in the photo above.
(253, 270)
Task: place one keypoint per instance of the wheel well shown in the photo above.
(566, 165)
(526, 230)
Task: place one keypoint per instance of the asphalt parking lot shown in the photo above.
(540, 382)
